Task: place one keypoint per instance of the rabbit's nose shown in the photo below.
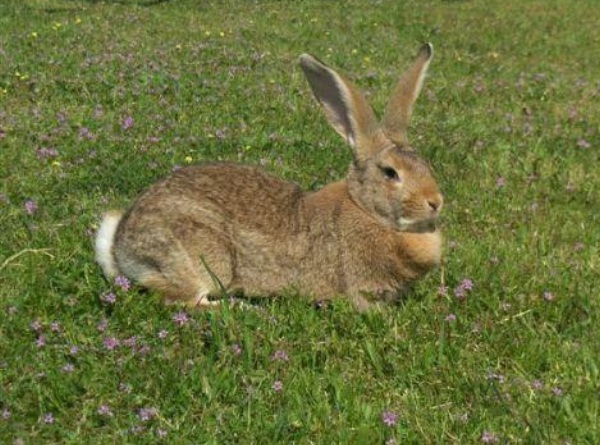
(435, 204)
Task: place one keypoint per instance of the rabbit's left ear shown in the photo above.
(345, 107)
(399, 108)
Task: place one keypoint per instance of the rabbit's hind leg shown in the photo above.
(180, 280)
(184, 272)
(179, 288)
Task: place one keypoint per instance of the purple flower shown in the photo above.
(277, 385)
(181, 318)
(494, 376)
(443, 291)
(123, 282)
(6, 414)
(557, 391)
(389, 418)
(30, 206)
(161, 432)
(236, 349)
(548, 296)
(489, 437)
(465, 286)
(450, 318)
(130, 342)
(500, 182)
(36, 325)
(41, 341)
(85, 133)
(459, 292)
(104, 410)
(110, 343)
(221, 133)
(537, 385)
(582, 143)
(74, 350)
(49, 418)
(68, 368)
(102, 325)
(127, 123)
(138, 429)
(46, 153)
(147, 414)
(109, 298)
(55, 326)
(280, 355)
(163, 334)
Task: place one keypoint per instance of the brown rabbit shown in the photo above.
(234, 228)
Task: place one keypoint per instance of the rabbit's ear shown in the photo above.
(399, 107)
(346, 108)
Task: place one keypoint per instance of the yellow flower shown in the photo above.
(78, 20)
(222, 34)
(34, 34)
(178, 46)
(188, 159)
(21, 76)
(207, 33)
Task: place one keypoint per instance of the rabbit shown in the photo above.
(222, 228)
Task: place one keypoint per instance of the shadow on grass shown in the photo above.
(130, 2)
(143, 3)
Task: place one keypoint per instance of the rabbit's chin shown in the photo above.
(418, 225)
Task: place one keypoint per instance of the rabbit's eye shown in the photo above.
(390, 173)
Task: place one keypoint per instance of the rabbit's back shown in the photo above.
(233, 193)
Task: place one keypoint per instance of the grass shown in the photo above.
(100, 99)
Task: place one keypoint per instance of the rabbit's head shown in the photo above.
(387, 178)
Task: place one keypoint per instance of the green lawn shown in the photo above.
(100, 99)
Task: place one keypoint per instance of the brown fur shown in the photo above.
(229, 227)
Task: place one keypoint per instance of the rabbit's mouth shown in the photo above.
(417, 225)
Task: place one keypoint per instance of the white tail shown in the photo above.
(104, 243)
